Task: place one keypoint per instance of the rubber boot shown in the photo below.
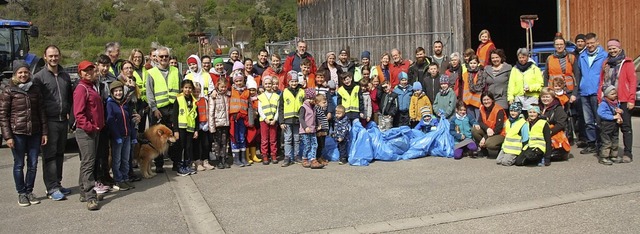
(247, 157)
(236, 159)
(244, 158)
(254, 156)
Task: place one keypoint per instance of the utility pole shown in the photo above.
(231, 30)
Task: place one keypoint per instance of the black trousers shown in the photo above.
(627, 132)
(186, 146)
(53, 154)
(174, 149)
(342, 148)
(320, 136)
(202, 146)
(101, 165)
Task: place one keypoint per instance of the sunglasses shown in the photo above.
(163, 56)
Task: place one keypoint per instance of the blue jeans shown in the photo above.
(590, 114)
(120, 154)
(239, 142)
(291, 141)
(30, 146)
(310, 145)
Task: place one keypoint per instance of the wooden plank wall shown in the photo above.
(340, 18)
(607, 19)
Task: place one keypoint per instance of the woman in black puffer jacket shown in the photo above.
(24, 128)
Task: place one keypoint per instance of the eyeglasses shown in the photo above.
(163, 56)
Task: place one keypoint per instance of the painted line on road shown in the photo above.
(194, 208)
(457, 216)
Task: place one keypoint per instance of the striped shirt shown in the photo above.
(321, 118)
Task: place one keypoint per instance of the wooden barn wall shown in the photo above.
(356, 18)
(607, 19)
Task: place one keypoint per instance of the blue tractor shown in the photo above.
(14, 45)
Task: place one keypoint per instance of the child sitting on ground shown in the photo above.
(516, 135)
(428, 122)
(461, 125)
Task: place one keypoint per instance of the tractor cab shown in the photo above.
(14, 45)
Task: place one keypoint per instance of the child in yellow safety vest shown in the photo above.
(203, 143)
(268, 111)
(185, 115)
(538, 148)
(516, 136)
(288, 107)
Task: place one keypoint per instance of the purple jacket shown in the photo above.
(307, 117)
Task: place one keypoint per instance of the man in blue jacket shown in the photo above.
(590, 65)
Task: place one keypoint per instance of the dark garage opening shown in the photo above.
(502, 19)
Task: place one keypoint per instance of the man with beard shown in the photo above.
(398, 65)
(234, 56)
(365, 60)
(263, 62)
(590, 64)
(580, 44)
(345, 63)
(295, 58)
(438, 57)
(275, 71)
(418, 70)
(619, 72)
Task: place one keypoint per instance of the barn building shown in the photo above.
(380, 25)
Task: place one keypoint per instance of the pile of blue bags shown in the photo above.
(401, 143)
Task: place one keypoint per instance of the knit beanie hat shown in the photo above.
(581, 37)
(237, 76)
(234, 49)
(17, 64)
(293, 75)
(417, 86)
(310, 93)
(217, 61)
(251, 83)
(444, 79)
(191, 60)
(516, 106)
(425, 111)
(365, 54)
(115, 84)
(608, 89)
(403, 75)
(237, 65)
(535, 108)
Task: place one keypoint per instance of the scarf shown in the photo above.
(551, 105)
(444, 92)
(614, 64)
(239, 89)
(524, 67)
(25, 86)
(562, 58)
(460, 117)
(594, 52)
(277, 70)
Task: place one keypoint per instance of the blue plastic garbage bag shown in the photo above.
(330, 150)
(360, 151)
(443, 144)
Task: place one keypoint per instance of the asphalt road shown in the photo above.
(271, 199)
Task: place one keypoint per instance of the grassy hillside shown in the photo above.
(81, 28)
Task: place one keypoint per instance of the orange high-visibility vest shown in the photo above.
(560, 140)
(202, 110)
(483, 53)
(468, 97)
(491, 121)
(555, 70)
(239, 102)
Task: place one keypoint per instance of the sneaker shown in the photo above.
(626, 159)
(100, 188)
(343, 161)
(265, 162)
(92, 205)
(285, 163)
(57, 196)
(23, 200)
(82, 198)
(65, 191)
(33, 199)
(221, 166)
(131, 185)
(183, 171)
(274, 161)
(121, 186)
(192, 171)
(589, 150)
(605, 161)
(207, 165)
(108, 181)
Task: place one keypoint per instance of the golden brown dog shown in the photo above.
(158, 137)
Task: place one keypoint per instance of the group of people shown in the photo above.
(225, 113)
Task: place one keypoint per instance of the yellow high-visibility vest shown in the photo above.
(513, 140)
(186, 115)
(292, 103)
(165, 94)
(350, 101)
(269, 105)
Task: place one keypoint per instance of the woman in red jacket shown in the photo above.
(24, 127)
(89, 113)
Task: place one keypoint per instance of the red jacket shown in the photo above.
(395, 69)
(626, 84)
(87, 107)
(288, 64)
(282, 84)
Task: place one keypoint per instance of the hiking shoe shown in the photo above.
(207, 165)
(305, 163)
(23, 200)
(285, 163)
(57, 196)
(589, 150)
(121, 186)
(626, 159)
(92, 205)
(64, 190)
(183, 171)
(130, 184)
(33, 199)
(316, 165)
(605, 161)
